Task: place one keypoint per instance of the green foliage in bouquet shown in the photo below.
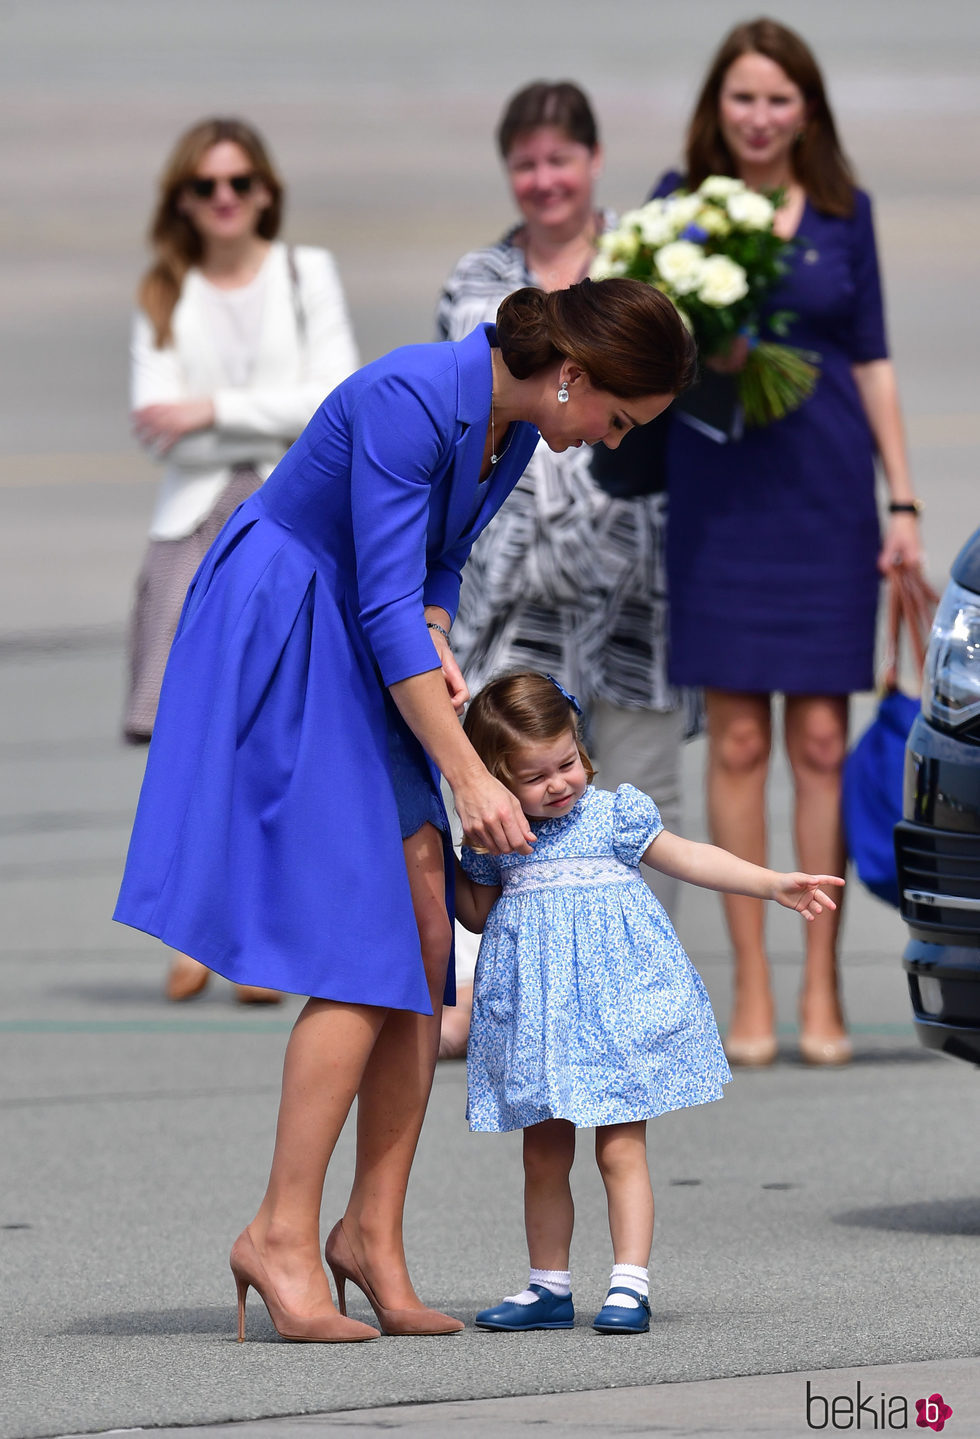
(714, 253)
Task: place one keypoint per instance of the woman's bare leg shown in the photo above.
(816, 743)
(739, 743)
(394, 1091)
(325, 1059)
(621, 1154)
(549, 1214)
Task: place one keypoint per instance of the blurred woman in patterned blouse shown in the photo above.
(567, 579)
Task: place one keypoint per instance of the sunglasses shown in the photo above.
(204, 188)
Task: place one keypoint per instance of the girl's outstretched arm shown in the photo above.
(714, 868)
(473, 901)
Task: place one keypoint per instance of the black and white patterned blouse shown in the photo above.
(565, 579)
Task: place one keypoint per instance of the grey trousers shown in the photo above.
(642, 747)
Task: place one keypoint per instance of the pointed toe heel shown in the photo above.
(250, 1272)
(343, 1265)
(826, 1051)
(751, 1053)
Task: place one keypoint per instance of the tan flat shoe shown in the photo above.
(826, 1051)
(751, 1053)
(185, 978)
(256, 994)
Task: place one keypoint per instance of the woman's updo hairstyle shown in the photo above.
(626, 336)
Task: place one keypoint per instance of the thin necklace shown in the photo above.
(494, 457)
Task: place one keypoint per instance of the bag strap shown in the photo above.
(299, 309)
(911, 605)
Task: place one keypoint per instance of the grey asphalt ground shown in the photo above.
(814, 1227)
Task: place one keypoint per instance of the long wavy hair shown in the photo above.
(175, 242)
(819, 162)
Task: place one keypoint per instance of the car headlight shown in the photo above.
(951, 676)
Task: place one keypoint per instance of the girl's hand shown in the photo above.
(160, 426)
(803, 893)
(492, 819)
(902, 544)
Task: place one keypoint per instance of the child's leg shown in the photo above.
(546, 1303)
(621, 1153)
(549, 1150)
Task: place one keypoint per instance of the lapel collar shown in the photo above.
(474, 384)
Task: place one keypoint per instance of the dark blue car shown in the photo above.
(937, 842)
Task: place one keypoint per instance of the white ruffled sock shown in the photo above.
(556, 1281)
(630, 1276)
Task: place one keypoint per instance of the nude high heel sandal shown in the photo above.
(343, 1265)
(248, 1269)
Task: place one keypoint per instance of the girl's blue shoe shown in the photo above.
(612, 1319)
(548, 1311)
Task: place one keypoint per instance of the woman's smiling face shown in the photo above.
(591, 416)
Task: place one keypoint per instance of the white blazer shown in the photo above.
(257, 423)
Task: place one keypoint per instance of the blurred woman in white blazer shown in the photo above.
(237, 339)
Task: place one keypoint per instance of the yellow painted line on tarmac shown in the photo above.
(116, 467)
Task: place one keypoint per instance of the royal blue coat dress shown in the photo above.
(773, 539)
(267, 842)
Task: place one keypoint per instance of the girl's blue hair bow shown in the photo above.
(564, 693)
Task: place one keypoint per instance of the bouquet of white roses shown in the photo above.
(714, 253)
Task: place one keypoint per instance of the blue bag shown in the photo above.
(873, 776)
(875, 768)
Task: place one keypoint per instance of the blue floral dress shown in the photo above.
(585, 1006)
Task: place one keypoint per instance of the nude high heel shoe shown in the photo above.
(751, 1053)
(343, 1265)
(185, 978)
(248, 1269)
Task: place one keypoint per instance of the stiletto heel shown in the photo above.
(249, 1271)
(242, 1286)
(343, 1266)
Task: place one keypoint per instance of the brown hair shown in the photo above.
(818, 161)
(627, 336)
(175, 242)
(515, 710)
(544, 102)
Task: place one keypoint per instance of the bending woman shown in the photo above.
(290, 830)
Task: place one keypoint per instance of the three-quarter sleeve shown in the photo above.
(636, 821)
(867, 339)
(480, 868)
(399, 438)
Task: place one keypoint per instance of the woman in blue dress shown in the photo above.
(290, 831)
(774, 551)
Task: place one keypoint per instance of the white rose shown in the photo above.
(719, 187)
(606, 268)
(655, 224)
(713, 221)
(750, 211)
(682, 209)
(680, 264)
(721, 282)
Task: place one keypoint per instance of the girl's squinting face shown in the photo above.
(551, 177)
(760, 111)
(548, 776)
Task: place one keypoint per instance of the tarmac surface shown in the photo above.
(815, 1228)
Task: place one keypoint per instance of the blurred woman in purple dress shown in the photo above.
(774, 548)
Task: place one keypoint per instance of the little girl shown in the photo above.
(586, 1010)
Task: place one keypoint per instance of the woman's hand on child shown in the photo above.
(491, 817)
(805, 893)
